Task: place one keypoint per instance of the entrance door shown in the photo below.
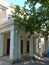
(8, 46)
(21, 46)
(27, 46)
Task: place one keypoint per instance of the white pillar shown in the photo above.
(1, 44)
(48, 41)
(15, 50)
(31, 46)
(37, 49)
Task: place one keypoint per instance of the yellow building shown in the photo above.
(15, 43)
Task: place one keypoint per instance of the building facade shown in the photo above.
(15, 43)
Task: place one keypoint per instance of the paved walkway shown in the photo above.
(25, 61)
(31, 62)
(42, 61)
(4, 63)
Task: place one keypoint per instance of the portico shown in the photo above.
(15, 43)
(9, 41)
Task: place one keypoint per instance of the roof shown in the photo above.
(5, 5)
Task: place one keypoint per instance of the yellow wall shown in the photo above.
(25, 39)
(2, 14)
(6, 36)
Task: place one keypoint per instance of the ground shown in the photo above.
(31, 62)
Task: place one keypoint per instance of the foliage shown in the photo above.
(42, 13)
(32, 19)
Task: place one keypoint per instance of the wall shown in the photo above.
(25, 39)
(2, 14)
(6, 36)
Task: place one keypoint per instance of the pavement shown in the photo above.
(4, 63)
(42, 61)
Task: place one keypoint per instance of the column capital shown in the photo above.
(12, 27)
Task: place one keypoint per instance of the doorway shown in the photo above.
(27, 46)
(21, 46)
(8, 46)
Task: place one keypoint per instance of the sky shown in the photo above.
(17, 2)
(20, 2)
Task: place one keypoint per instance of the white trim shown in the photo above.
(5, 23)
(3, 7)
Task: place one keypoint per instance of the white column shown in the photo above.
(48, 41)
(31, 46)
(1, 44)
(37, 50)
(15, 50)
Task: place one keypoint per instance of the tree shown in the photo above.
(32, 19)
(26, 19)
(42, 15)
